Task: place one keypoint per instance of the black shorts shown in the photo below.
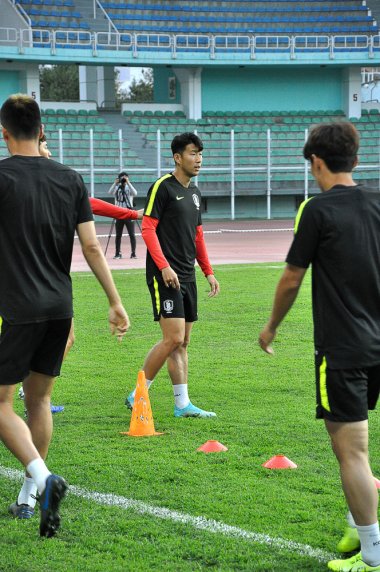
(346, 395)
(35, 347)
(173, 303)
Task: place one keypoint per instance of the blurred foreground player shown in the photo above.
(338, 233)
(37, 225)
(172, 231)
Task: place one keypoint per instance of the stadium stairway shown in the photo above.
(133, 137)
(374, 6)
(86, 8)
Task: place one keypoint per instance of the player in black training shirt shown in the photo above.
(338, 233)
(42, 203)
(172, 231)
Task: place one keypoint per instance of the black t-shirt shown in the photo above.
(178, 210)
(41, 203)
(338, 232)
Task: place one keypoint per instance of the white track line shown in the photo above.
(220, 231)
(198, 522)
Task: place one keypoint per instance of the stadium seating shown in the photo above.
(269, 17)
(54, 14)
(76, 128)
(287, 136)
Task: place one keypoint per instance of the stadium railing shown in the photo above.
(170, 45)
(250, 154)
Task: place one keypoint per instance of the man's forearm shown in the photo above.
(286, 293)
(98, 264)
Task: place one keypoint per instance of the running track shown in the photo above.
(228, 242)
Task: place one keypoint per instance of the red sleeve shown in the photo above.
(103, 208)
(149, 234)
(201, 252)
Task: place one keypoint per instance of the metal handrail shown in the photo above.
(110, 22)
(173, 43)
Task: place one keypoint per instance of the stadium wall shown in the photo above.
(166, 87)
(271, 89)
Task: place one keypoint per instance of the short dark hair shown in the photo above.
(122, 174)
(336, 143)
(180, 142)
(21, 116)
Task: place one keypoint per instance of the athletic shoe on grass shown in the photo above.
(50, 500)
(56, 408)
(192, 411)
(53, 408)
(21, 510)
(129, 401)
(350, 540)
(353, 564)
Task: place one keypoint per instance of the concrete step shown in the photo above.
(86, 8)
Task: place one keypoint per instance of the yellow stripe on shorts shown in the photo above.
(149, 208)
(322, 385)
(156, 295)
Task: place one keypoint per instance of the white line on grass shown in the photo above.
(198, 522)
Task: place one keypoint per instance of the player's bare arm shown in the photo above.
(118, 318)
(286, 293)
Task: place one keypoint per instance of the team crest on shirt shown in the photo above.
(196, 201)
(168, 306)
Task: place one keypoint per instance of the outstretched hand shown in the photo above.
(119, 321)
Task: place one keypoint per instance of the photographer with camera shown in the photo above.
(124, 192)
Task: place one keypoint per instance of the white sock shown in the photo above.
(350, 520)
(181, 395)
(370, 543)
(39, 472)
(28, 492)
(148, 384)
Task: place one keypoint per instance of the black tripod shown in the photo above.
(109, 235)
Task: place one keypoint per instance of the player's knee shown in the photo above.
(175, 341)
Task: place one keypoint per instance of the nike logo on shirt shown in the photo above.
(179, 198)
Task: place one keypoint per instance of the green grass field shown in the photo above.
(250, 518)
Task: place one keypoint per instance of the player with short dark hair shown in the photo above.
(42, 203)
(338, 233)
(172, 231)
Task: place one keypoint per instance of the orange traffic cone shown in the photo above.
(142, 424)
(279, 462)
(212, 446)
